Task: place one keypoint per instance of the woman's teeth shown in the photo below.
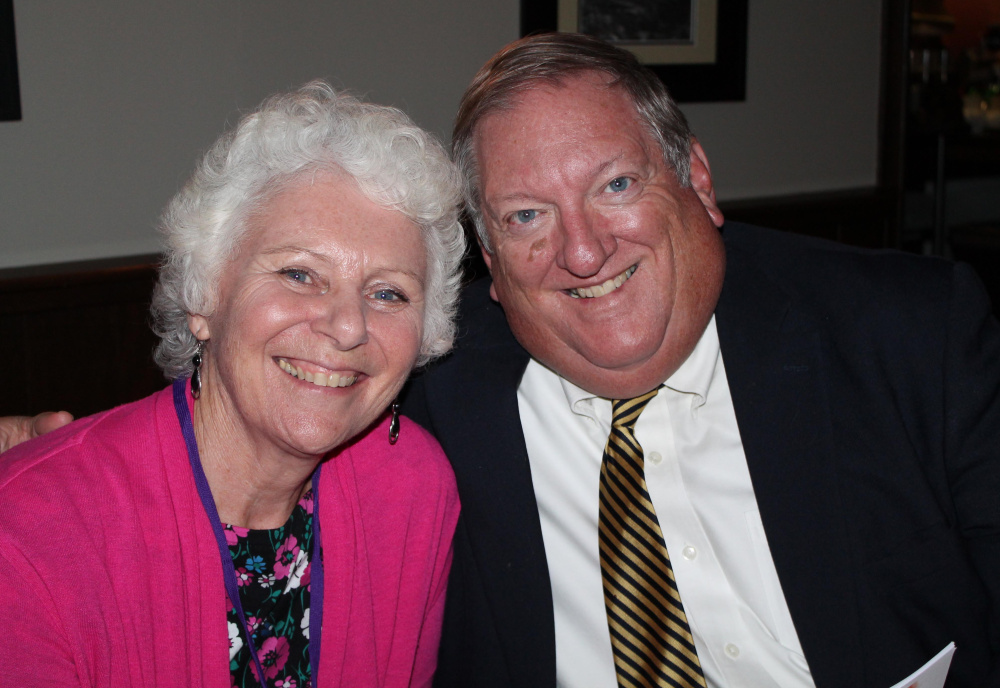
(320, 379)
(602, 289)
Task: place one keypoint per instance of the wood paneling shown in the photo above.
(858, 217)
(75, 336)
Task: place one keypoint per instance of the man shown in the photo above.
(820, 456)
(823, 455)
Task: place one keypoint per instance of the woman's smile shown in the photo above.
(304, 371)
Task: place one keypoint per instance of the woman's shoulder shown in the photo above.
(416, 446)
(78, 457)
(401, 494)
(415, 462)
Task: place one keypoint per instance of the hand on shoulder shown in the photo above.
(17, 429)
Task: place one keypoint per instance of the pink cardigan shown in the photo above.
(110, 574)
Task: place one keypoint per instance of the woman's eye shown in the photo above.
(296, 275)
(524, 216)
(618, 184)
(389, 296)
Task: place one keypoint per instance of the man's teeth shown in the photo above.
(602, 289)
(320, 379)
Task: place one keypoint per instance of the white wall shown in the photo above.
(810, 119)
(119, 97)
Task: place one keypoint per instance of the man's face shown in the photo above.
(607, 269)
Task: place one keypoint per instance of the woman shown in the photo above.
(258, 523)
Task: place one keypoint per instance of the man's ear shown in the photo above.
(488, 259)
(701, 182)
(198, 324)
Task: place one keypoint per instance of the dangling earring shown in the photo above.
(394, 424)
(196, 375)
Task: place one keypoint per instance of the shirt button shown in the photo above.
(689, 553)
(732, 651)
(655, 458)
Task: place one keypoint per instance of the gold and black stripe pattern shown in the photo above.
(650, 636)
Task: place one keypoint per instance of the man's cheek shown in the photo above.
(537, 248)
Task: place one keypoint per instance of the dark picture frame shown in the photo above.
(10, 89)
(718, 80)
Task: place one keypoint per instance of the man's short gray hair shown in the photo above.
(551, 58)
(395, 164)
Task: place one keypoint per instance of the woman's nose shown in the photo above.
(342, 319)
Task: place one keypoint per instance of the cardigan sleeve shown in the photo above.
(33, 645)
(389, 512)
(425, 661)
(436, 511)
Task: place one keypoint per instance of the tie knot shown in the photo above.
(625, 412)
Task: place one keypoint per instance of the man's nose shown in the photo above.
(585, 245)
(342, 318)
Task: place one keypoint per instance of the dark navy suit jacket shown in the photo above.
(867, 392)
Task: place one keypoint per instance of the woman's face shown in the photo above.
(319, 319)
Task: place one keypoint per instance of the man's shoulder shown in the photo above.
(486, 363)
(482, 330)
(815, 269)
(481, 320)
(876, 304)
(788, 247)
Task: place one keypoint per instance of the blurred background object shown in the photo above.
(853, 128)
(951, 156)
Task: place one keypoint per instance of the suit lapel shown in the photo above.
(498, 501)
(777, 371)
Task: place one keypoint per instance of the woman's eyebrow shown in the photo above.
(319, 256)
(293, 249)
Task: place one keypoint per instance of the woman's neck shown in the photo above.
(254, 484)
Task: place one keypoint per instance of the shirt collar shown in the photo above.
(694, 377)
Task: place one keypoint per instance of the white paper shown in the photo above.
(932, 674)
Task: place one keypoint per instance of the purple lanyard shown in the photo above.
(228, 569)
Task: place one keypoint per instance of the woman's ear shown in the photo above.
(198, 324)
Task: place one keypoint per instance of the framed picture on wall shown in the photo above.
(698, 47)
(10, 89)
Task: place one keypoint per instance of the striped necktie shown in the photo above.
(650, 636)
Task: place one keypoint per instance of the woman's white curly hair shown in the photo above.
(395, 163)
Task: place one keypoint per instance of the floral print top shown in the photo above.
(272, 572)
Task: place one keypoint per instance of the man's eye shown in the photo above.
(618, 184)
(296, 275)
(524, 216)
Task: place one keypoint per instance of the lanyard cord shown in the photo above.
(228, 569)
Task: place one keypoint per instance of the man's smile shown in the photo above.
(602, 289)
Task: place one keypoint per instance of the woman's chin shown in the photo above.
(320, 436)
(312, 446)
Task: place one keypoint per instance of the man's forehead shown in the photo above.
(557, 131)
(584, 103)
(560, 88)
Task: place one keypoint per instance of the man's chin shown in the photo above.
(620, 356)
(615, 377)
(617, 384)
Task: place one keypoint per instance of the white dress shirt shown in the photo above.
(700, 486)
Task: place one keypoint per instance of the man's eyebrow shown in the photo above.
(511, 197)
(521, 196)
(603, 167)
